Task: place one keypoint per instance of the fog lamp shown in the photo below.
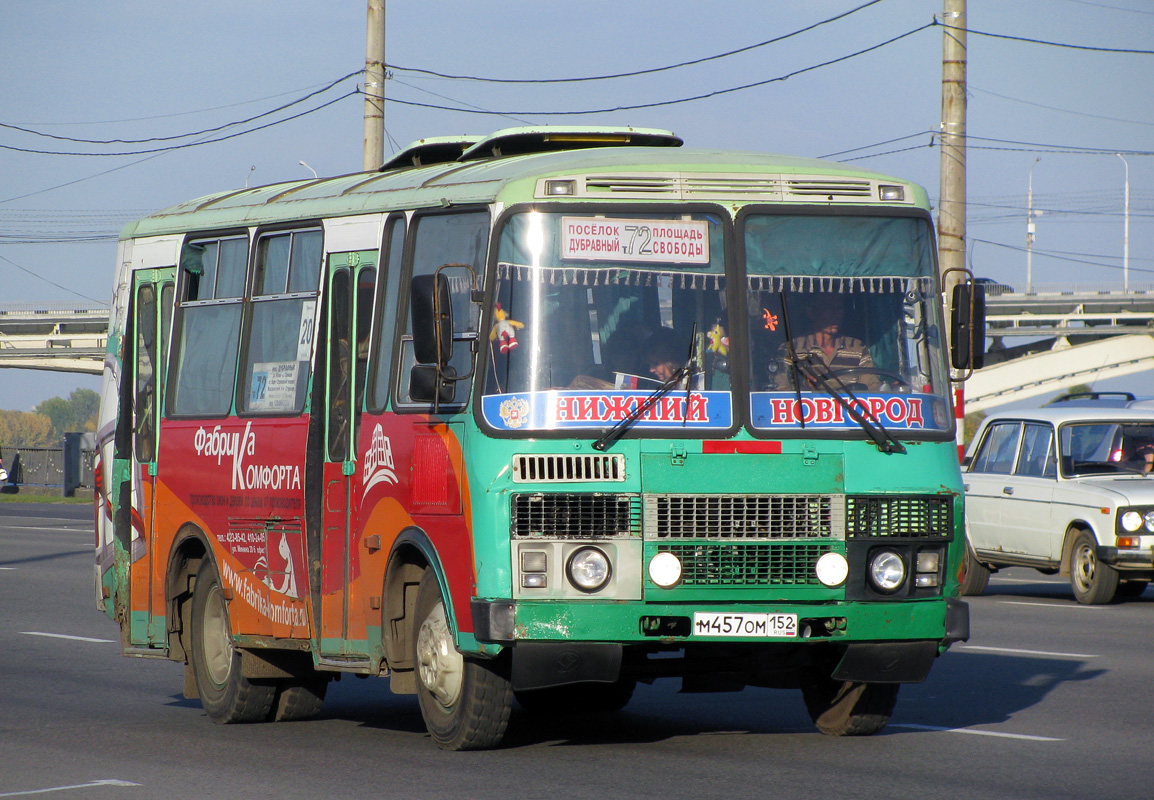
(588, 569)
(665, 570)
(928, 561)
(832, 569)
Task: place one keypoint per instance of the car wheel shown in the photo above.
(975, 576)
(1094, 583)
(1131, 589)
(849, 708)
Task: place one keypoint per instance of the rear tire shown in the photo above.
(299, 698)
(1094, 583)
(1131, 589)
(226, 695)
(849, 708)
(465, 701)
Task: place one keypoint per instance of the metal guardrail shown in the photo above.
(44, 467)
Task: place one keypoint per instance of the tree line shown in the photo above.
(46, 425)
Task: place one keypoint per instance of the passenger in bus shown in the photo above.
(825, 344)
(665, 352)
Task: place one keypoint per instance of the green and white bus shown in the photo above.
(530, 419)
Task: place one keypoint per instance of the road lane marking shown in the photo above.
(1051, 605)
(92, 785)
(1024, 652)
(66, 636)
(975, 732)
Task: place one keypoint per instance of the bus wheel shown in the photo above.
(1094, 583)
(578, 698)
(299, 698)
(849, 708)
(465, 702)
(225, 694)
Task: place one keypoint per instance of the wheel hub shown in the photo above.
(439, 665)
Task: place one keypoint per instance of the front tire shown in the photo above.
(1094, 583)
(226, 695)
(976, 576)
(299, 698)
(465, 701)
(849, 708)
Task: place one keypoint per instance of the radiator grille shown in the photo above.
(744, 517)
(576, 516)
(917, 517)
(568, 468)
(747, 564)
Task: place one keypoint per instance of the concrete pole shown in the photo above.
(374, 153)
(952, 185)
(1030, 229)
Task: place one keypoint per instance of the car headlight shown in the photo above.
(665, 570)
(887, 571)
(589, 569)
(832, 569)
(1132, 521)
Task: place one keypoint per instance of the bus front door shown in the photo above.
(153, 314)
(351, 283)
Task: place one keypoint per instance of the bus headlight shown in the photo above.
(887, 571)
(832, 569)
(665, 570)
(589, 569)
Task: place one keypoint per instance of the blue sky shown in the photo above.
(138, 69)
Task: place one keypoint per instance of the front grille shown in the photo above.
(566, 468)
(576, 516)
(915, 517)
(743, 517)
(747, 564)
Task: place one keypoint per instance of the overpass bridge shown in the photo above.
(1039, 342)
(1056, 337)
(65, 337)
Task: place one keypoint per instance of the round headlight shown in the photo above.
(887, 571)
(832, 569)
(665, 570)
(1132, 521)
(588, 569)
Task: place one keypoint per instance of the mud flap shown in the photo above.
(540, 665)
(887, 662)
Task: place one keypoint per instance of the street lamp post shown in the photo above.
(1126, 230)
(1030, 229)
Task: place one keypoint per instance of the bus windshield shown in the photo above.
(850, 297)
(593, 313)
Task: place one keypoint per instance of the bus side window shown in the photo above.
(207, 330)
(392, 250)
(145, 405)
(440, 239)
(278, 334)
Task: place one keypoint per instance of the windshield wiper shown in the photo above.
(874, 429)
(618, 430)
(687, 371)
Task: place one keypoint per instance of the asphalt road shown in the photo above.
(1049, 699)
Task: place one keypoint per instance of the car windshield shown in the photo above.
(853, 296)
(1095, 448)
(593, 313)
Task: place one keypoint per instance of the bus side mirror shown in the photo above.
(968, 327)
(429, 383)
(431, 312)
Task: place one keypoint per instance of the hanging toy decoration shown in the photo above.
(770, 319)
(718, 341)
(505, 330)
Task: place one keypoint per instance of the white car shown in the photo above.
(1064, 489)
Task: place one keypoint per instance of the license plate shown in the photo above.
(777, 626)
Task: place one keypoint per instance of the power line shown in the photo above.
(52, 283)
(972, 32)
(1050, 254)
(971, 87)
(183, 135)
(648, 71)
(351, 93)
(660, 103)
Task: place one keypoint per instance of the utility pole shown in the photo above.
(952, 184)
(1031, 229)
(374, 153)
